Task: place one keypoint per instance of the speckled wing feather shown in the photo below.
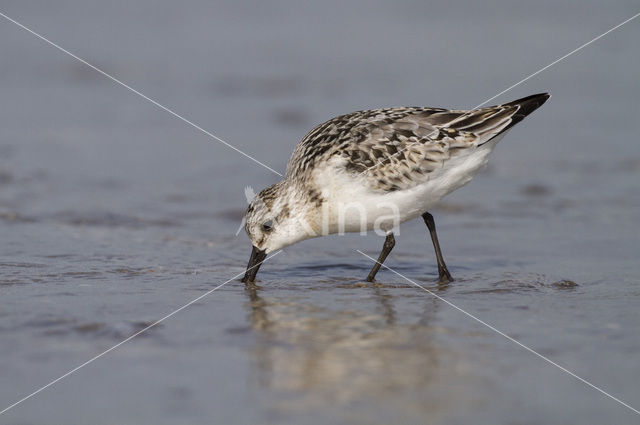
(398, 148)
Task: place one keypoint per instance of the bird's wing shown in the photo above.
(398, 148)
(400, 154)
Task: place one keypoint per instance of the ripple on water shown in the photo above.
(108, 219)
(514, 283)
(56, 325)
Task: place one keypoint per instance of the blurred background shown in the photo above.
(113, 213)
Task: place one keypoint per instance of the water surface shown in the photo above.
(113, 214)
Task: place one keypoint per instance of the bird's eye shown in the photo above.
(267, 226)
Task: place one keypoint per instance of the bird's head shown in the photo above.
(276, 217)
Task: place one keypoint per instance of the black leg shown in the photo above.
(389, 242)
(444, 275)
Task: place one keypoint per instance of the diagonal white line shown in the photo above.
(577, 49)
(91, 360)
(532, 351)
(164, 108)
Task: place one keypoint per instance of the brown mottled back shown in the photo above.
(397, 148)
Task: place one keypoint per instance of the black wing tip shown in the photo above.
(526, 105)
(530, 103)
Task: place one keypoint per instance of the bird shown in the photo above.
(374, 169)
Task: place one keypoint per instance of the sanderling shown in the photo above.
(375, 169)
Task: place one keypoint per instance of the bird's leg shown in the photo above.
(389, 242)
(444, 275)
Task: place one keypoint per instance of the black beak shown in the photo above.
(256, 259)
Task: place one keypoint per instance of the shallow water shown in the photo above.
(114, 214)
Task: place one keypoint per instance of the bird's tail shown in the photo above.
(490, 122)
(516, 111)
(526, 105)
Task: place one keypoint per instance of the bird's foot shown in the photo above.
(252, 286)
(444, 277)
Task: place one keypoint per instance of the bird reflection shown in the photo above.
(347, 351)
(385, 305)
